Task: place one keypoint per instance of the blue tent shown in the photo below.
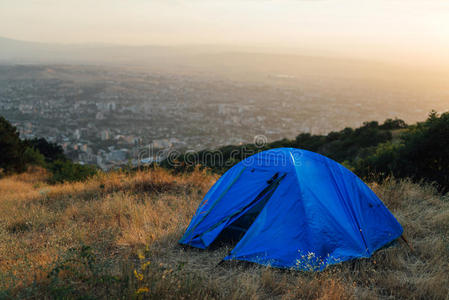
(292, 208)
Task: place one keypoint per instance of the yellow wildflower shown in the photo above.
(138, 275)
(142, 290)
(140, 255)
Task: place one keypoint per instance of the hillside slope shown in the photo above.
(116, 234)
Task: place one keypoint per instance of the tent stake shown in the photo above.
(406, 241)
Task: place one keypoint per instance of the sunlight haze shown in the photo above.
(406, 31)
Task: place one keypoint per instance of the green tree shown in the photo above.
(51, 151)
(391, 124)
(422, 154)
(11, 148)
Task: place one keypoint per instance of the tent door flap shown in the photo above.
(239, 222)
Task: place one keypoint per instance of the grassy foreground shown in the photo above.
(115, 236)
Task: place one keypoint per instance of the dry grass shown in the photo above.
(115, 236)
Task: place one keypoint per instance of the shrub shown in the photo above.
(66, 170)
(33, 157)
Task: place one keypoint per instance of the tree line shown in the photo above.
(373, 151)
(16, 155)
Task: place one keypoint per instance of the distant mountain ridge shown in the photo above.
(236, 62)
(17, 51)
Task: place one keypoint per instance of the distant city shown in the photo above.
(112, 116)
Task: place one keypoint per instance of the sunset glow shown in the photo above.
(391, 30)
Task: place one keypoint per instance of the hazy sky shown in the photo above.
(402, 29)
